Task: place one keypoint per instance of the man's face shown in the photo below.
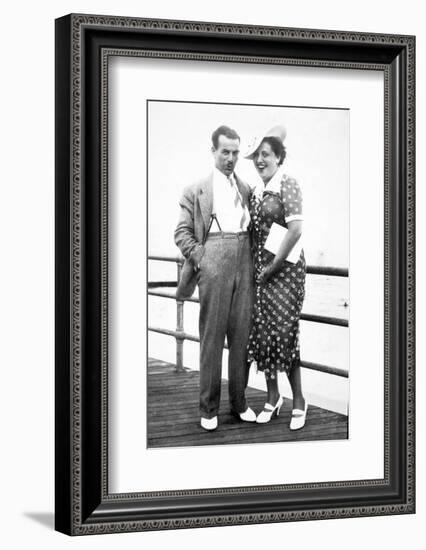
(226, 154)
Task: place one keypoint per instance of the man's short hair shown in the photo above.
(223, 131)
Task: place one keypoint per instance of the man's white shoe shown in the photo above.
(209, 423)
(248, 415)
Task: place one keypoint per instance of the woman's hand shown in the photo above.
(265, 275)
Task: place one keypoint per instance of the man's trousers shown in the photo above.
(226, 288)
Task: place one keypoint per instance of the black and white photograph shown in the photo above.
(245, 273)
(209, 280)
(248, 273)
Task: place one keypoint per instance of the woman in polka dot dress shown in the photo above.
(280, 284)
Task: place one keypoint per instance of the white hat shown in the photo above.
(278, 132)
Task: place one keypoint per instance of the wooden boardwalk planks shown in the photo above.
(174, 420)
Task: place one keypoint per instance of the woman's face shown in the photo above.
(266, 161)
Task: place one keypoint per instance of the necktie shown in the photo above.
(238, 201)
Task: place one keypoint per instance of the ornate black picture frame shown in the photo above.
(83, 45)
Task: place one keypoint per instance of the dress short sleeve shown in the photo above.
(291, 196)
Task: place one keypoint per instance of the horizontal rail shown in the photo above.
(172, 295)
(336, 321)
(326, 369)
(306, 364)
(162, 284)
(179, 335)
(327, 270)
(176, 259)
(311, 269)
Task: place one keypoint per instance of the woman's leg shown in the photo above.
(272, 388)
(295, 380)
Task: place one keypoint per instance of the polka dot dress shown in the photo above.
(274, 338)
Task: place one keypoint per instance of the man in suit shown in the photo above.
(212, 236)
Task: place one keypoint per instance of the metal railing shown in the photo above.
(181, 335)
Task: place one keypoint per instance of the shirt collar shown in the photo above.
(273, 185)
(220, 177)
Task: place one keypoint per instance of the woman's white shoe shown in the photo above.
(266, 415)
(298, 417)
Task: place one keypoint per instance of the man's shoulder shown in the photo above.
(197, 185)
(242, 182)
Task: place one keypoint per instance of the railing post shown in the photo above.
(179, 327)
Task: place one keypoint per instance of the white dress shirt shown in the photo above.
(229, 212)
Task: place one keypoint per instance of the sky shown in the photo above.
(317, 143)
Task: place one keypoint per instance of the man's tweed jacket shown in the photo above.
(196, 208)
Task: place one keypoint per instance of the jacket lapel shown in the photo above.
(243, 189)
(205, 197)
